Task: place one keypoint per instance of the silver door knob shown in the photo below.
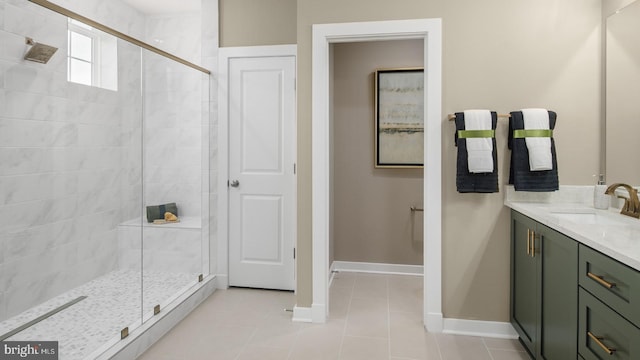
(234, 183)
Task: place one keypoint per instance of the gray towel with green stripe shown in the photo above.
(520, 174)
(467, 182)
(156, 212)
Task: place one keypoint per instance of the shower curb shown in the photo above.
(142, 338)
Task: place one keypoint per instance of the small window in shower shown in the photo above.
(92, 56)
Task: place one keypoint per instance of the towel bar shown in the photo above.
(453, 116)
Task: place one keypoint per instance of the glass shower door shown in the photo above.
(175, 180)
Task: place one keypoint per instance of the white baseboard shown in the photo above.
(222, 281)
(492, 329)
(331, 276)
(302, 314)
(433, 322)
(377, 268)
(313, 314)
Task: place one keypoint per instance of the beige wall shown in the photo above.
(609, 7)
(257, 22)
(506, 55)
(372, 218)
(498, 54)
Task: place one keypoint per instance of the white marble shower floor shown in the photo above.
(113, 302)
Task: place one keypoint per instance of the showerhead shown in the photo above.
(39, 53)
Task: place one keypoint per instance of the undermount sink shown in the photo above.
(584, 216)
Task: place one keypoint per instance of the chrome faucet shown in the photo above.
(631, 204)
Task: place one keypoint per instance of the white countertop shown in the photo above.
(614, 234)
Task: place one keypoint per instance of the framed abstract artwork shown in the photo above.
(399, 118)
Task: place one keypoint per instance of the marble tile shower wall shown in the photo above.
(70, 156)
(69, 163)
(113, 13)
(131, 112)
(173, 115)
(210, 46)
(179, 34)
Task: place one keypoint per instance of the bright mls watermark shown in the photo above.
(29, 350)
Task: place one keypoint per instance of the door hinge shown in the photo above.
(294, 168)
(294, 253)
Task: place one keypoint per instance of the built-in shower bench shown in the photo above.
(173, 247)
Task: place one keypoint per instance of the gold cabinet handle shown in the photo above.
(533, 244)
(528, 241)
(598, 340)
(600, 280)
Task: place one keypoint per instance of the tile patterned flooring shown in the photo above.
(372, 317)
(113, 302)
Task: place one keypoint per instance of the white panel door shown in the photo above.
(261, 172)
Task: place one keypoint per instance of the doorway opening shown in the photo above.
(375, 217)
(430, 32)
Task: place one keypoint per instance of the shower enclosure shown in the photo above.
(87, 141)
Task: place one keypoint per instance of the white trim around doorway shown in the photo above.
(430, 30)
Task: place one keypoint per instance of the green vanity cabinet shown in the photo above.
(559, 300)
(604, 334)
(609, 315)
(524, 282)
(612, 282)
(544, 297)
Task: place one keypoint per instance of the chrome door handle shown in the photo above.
(234, 183)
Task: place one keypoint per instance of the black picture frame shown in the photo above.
(399, 118)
